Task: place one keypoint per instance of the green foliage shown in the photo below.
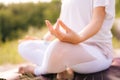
(55, 8)
(117, 8)
(16, 17)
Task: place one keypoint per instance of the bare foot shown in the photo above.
(116, 62)
(26, 69)
(68, 74)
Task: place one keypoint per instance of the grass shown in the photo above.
(116, 43)
(8, 50)
(9, 53)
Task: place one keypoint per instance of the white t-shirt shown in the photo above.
(76, 14)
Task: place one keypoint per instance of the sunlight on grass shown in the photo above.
(8, 50)
(116, 43)
(9, 54)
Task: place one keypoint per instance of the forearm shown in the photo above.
(95, 24)
(89, 31)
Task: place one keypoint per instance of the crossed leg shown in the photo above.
(59, 55)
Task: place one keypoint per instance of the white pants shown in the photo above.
(36, 51)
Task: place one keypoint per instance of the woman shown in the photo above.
(83, 40)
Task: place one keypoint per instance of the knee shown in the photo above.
(56, 47)
(23, 47)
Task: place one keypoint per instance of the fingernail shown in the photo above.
(46, 20)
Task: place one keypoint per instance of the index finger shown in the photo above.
(49, 25)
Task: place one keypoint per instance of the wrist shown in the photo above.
(82, 37)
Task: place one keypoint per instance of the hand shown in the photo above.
(48, 37)
(68, 36)
(28, 38)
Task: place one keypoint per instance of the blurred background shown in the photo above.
(19, 18)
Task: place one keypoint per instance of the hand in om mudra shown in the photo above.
(68, 36)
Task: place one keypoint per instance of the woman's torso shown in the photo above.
(76, 14)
